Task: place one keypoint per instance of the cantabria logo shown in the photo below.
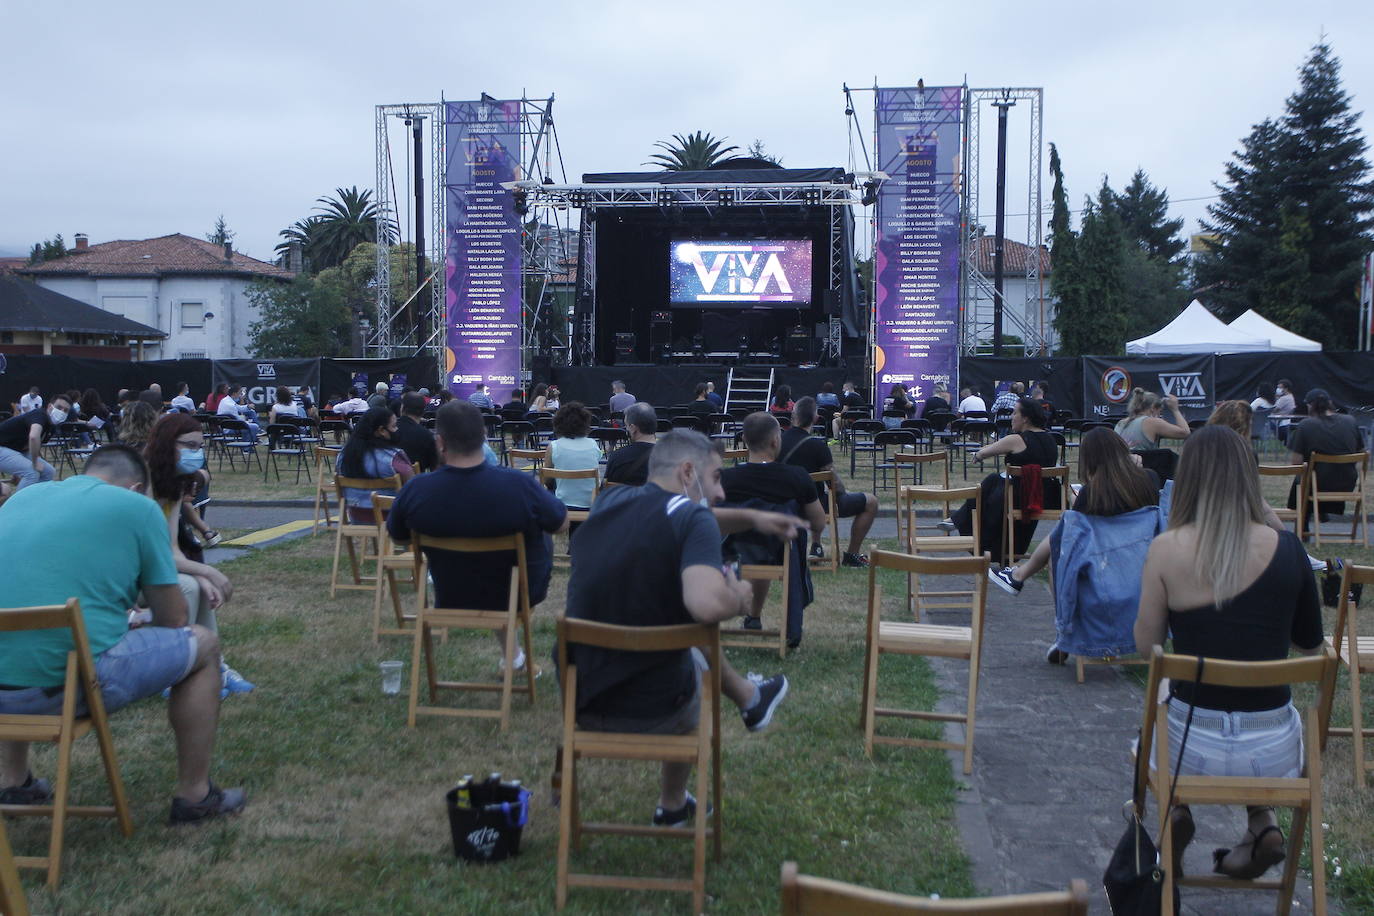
(1116, 384)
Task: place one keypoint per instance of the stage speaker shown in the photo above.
(660, 333)
(799, 346)
(625, 346)
(830, 301)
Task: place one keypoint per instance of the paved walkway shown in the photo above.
(1052, 768)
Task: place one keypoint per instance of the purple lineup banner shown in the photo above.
(916, 270)
(482, 272)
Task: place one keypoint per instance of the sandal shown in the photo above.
(1183, 828)
(1262, 858)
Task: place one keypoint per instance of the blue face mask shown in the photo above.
(190, 460)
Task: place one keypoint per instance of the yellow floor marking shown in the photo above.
(267, 534)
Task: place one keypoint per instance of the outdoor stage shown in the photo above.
(667, 386)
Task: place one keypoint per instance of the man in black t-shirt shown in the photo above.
(812, 455)
(762, 477)
(468, 498)
(629, 464)
(26, 433)
(411, 435)
(673, 575)
(700, 405)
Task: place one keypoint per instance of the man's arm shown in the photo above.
(712, 595)
(815, 516)
(36, 443)
(778, 524)
(168, 605)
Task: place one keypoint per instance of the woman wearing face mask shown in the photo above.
(371, 453)
(175, 454)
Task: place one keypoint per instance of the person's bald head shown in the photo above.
(762, 435)
(120, 465)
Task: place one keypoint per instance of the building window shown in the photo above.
(193, 314)
(191, 354)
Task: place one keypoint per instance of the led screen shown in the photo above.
(717, 272)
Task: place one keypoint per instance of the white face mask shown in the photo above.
(702, 501)
(57, 415)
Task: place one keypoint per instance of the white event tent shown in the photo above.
(1252, 322)
(1197, 330)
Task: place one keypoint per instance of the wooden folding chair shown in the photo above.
(701, 747)
(535, 457)
(347, 531)
(1316, 495)
(1356, 652)
(546, 474)
(325, 457)
(736, 635)
(827, 480)
(888, 637)
(516, 615)
(390, 562)
(736, 455)
(916, 599)
(13, 900)
(803, 895)
(919, 464)
(1297, 516)
(64, 729)
(1013, 514)
(1303, 793)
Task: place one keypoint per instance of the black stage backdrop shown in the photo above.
(260, 377)
(669, 386)
(1061, 375)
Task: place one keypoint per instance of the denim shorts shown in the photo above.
(1247, 744)
(143, 663)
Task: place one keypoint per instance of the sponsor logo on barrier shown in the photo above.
(1186, 386)
(898, 378)
(267, 371)
(1116, 384)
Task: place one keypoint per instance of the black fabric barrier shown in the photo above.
(336, 375)
(260, 377)
(1109, 380)
(669, 386)
(1061, 374)
(1347, 376)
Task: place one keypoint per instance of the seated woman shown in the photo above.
(1328, 433)
(176, 454)
(1228, 586)
(371, 453)
(573, 450)
(1028, 443)
(136, 423)
(782, 402)
(285, 406)
(1143, 425)
(539, 399)
(898, 399)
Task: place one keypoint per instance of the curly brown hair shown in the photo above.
(572, 421)
(161, 454)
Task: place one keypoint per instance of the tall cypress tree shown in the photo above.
(1294, 217)
(1144, 213)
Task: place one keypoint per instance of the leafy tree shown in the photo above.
(340, 223)
(221, 234)
(301, 318)
(1144, 213)
(1294, 217)
(48, 250)
(757, 151)
(693, 152)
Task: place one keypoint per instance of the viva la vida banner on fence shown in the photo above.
(1108, 380)
(916, 298)
(260, 377)
(482, 273)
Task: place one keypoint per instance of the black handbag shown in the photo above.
(1134, 879)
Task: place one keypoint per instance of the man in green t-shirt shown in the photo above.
(106, 506)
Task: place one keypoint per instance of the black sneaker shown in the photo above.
(771, 692)
(32, 792)
(752, 623)
(817, 552)
(794, 643)
(216, 802)
(855, 560)
(946, 525)
(1004, 580)
(1056, 656)
(682, 817)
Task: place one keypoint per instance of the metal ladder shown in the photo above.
(748, 389)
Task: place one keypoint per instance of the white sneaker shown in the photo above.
(1317, 565)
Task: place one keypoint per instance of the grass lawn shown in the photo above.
(346, 804)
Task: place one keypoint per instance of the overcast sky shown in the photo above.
(139, 119)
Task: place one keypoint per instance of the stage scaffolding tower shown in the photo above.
(544, 240)
(1025, 316)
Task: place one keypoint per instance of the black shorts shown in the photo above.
(849, 505)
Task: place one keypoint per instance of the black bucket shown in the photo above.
(487, 824)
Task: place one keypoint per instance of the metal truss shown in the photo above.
(578, 196)
(584, 348)
(839, 271)
(392, 333)
(543, 249)
(1027, 318)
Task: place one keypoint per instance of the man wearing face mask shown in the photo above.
(26, 433)
(673, 575)
(235, 404)
(107, 503)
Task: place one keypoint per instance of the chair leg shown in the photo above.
(384, 578)
(699, 824)
(59, 805)
(1356, 706)
(1166, 855)
(972, 710)
(416, 651)
(871, 697)
(508, 671)
(529, 657)
(565, 828)
(338, 548)
(1078, 663)
(1318, 839)
(1289, 877)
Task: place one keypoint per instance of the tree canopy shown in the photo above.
(693, 152)
(339, 224)
(1295, 213)
(48, 250)
(221, 234)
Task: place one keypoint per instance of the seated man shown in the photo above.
(412, 436)
(812, 455)
(672, 576)
(764, 479)
(469, 498)
(26, 432)
(700, 405)
(107, 504)
(629, 464)
(479, 397)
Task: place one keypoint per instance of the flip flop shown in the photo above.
(1262, 858)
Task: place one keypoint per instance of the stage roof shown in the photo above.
(723, 176)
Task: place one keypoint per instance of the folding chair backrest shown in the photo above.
(1297, 515)
(1347, 621)
(804, 895)
(945, 497)
(56, 617)
(498, 544)
(916, 460)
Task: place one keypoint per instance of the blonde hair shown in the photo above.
(1236, 415)
(1217, 491)
(1142, 401)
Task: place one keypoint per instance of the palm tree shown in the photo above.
(341, 222)
(298, 233)
(693, 152)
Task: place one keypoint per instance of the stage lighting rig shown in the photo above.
(725, 197)
(578, 199)
(870, 192)
(811, 196)
(522, 203)
(666, 197)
